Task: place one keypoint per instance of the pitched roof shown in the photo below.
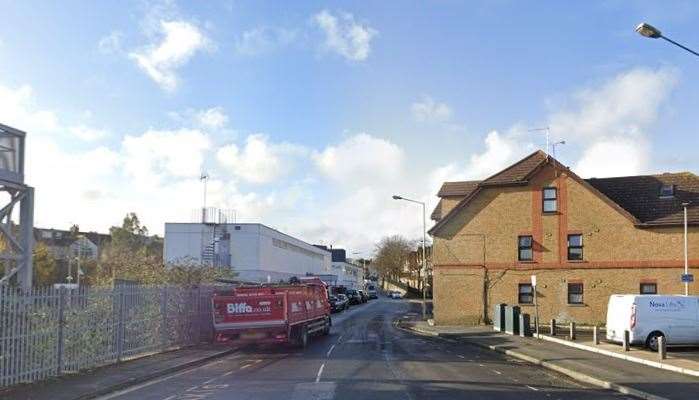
(640, 196)
(437, 212)
(462, 188)
(519, 172)
(636, 197)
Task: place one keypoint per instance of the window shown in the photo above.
(667, 190)
(524, 251)
(575, 293)
(575, 247)
(649, 288)
(525, 294)
(550, 200)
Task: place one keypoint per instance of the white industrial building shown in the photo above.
(257, 253)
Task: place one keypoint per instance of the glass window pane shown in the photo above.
(525, 241)
(649, 288)
(575, 253)
(549, 193)
(525, 288)
(525, 254)
(575, 298)
(549, 205)
(575, 240)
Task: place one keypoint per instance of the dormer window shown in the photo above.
(667, 191)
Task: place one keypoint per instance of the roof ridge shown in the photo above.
(644, 175)
(538, 152)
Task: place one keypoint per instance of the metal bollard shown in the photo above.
(553, 327)
(595, 335)
(662, 348)
(625, 343)
(571, 335)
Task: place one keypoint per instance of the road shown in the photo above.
(366, 357)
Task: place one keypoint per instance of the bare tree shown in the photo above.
(391, 255)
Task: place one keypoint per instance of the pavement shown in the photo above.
(367, 356)
(597, 369)
(683, 359)
(114, 377)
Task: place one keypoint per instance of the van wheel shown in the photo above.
(652, 340)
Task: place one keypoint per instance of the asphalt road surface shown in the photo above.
(366, 357)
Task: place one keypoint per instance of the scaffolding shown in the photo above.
(16, 225)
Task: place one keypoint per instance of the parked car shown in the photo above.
(337, 305)
(394, 294)
(344, 300)
(648, 317)
(354, 296)
(365, 297)
(371, 291)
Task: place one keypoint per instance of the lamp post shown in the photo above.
(649, 31)
(363, 263)
(686, 263)
(424, 257)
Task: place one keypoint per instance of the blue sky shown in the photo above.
(309, 115)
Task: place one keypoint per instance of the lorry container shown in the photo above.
(271, 313)
(648, 317)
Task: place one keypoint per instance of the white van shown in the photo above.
(648, 317)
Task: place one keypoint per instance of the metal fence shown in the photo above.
(49, 332)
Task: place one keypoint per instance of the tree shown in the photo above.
(134, 256)
(45, 270)
(391, 255)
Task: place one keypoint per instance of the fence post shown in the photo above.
(662, 349)
(197, 317)
(595, 335)
(553, 327)
(120, 325)
(163, 313)
(572, 330)
(61, 324)
(625, 343)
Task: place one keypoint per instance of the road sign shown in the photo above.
(533, 280)
(687, 278)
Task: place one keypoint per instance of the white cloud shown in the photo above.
(17, 109)
(178, 42)
(215, 118)
(263, 39)
(344, 35)
(111, 43)
(87, 133)
(625, 105)
(259, 161)
(428, 110)
(359, 159)
(614, 157)
(156, 155)
(611, 122)
(500, 151)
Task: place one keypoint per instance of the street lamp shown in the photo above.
(424, 258)
(649, 31)
(363, 264)
(686, 263)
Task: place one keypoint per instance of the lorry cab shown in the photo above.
(648, 317)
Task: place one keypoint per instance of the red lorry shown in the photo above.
(272, 313)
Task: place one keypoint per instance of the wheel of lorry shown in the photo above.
(326, 328)
(303, 337)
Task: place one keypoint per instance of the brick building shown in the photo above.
(584, 239)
